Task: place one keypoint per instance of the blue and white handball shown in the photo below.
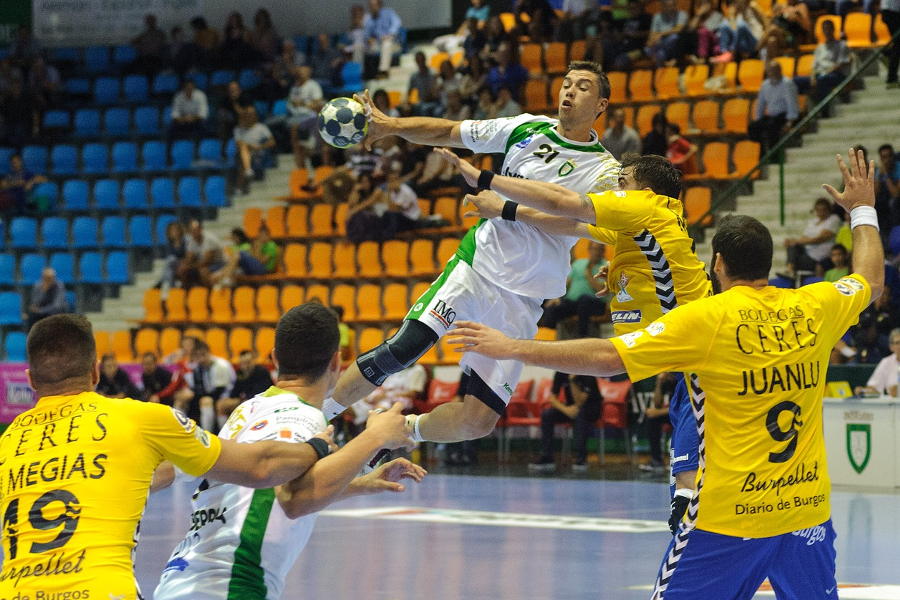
(342, 122)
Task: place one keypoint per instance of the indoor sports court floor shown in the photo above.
(518, 538)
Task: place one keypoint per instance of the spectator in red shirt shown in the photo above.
(681, 151)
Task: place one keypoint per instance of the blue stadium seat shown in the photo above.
(189, 192)
(46, 194)
(6, 153)
(30, 267)
(162, 193)
(301, 42)
(221, 77)
(64, 159)
(262, 109)
(64, 265)
(95, 158)
(84, 232)
(106, 195)
(113, 232)
(230, 152)
(23, 233)
(35, 158)
(71, 301)
(124, 55)
(87, 122)
(146, 120)
(96, 59)
(77, 86)
(214, 191)
(279, 108)
(351, 77)
(167, 117)
(10, 308)
(200, 79)
(124, 157)
(134, 194)
(248, 79)
(75, 194)
(117, 122)
(182, 154)
(55, 233)
(210, 150)
(106, 90)
(90, 268)
(117, 270)
(165, 84)
(162, 222)
(136, 89)
(140, 232)
(154, 155)
(14, 346)
(65, 54)
(7, 269)
(57, 119)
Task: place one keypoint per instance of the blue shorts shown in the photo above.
(799, 565)
(685, 441)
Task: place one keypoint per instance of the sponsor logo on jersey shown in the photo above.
(285, 434)
(260, 425)
(419, 306)
(19, 393)
(182, 419)
(566, 168)
(844, 289)
(655, 328)
(850, 282)
(524, 142)
(681, 458)
(622, 295)
(812, 534)
(507, 173)
(204, 516)
(508, 388)
(176, 564)
(286, 409)
(630, 339)
(444, 313)
(626, 316)
(202, 436)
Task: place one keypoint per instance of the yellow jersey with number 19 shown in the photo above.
(75, 472)
(759, 356)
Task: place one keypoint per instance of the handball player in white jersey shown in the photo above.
(503, 269)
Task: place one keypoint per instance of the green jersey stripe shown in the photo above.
(247, 575)
(530, 128)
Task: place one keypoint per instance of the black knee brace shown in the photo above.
(399, 352)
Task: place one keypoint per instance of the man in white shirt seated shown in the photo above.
(189, 111)
(886, 375)
(254, 141)
(304, 102)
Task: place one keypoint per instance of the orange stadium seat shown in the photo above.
(194, 332)
(295, 260)
(297, 220)
(340, 219)
(252, 221)
(317, 292)
(412, 96)
(321, 219)
(456, 59)
(394, 98)
(466, 222)
(120, 345)
(424, 205)
(666, 83)
(267, 303)
(394, 255)
(555, 57)
(706, 115)
(536, 95)
(264, 342)
(275, 221)
(244, 299)
(820, 37)
(580, 249)
(239, 339)
(577, 50)
(697, 201)
(153, 307)
(751, 73)
(101, 340)
(555, 86)
(394, 300)
(530, 57)
(437, 59)
(445, 250)
(344, 260)
(446, 207)
(289, 297)
(169, 340)
(421, 256)
(175, 305)
(618, 86)
(695, 77)
(146, 340)
(745, 157)
(600, 124)
(736, 115)
(198, 304)
(629, 115)
(640, 85)
(368, 338)
(858, 30)
(368, 300)
(430, 357)
(416, 292)
(344, 295)
(220, 306)
(882, 33)
(678, 113)
(804, 65)
(644, 119)
(788, 65)
(367, 259)
(715, 160)
(320, 260)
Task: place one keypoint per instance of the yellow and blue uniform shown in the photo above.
(74, 479)
(757, 359)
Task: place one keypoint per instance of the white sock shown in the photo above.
(332, 408)
(207, 417)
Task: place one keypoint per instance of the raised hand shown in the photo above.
(603, 277)
(328, 436)
(475, 337)
(379, 123)
(387, 477)
(487, 204)
(469, 172)
(859, 182)
(390, 427)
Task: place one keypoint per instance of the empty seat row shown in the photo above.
(225, 343)
(92, 268)
(59, 233)
(719, 161)
(138, 88)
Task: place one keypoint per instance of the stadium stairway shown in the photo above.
(124, 312)
(870, 119)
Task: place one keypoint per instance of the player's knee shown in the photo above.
(479, 420)
(399, 352)
(206, 402)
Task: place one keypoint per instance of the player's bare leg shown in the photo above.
(352, 386)
(458, 421)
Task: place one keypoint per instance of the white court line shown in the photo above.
(499, 519)
(849, 591)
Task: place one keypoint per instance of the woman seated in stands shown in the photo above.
(246, 257)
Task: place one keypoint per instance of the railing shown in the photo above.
(777, 151)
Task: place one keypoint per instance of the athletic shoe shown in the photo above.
(579, 467)
(725, 57)
(542, 465)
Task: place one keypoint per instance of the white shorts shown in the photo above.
(461, 294)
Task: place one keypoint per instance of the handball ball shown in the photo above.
(342, 122)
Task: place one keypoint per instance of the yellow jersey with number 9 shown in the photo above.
(75, 473)
(759, 358)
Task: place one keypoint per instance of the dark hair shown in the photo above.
(746, 246)
(595, 68)
(885, 147)
(339, 311)
(60, 347)
(150, 354)
(839, 247)
(240, 235)
(659, 119)
(198, 23)
(655, 172)
(306, 338)
(200, 346)
(822, 201)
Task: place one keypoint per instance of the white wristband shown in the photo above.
(412, 422)
(332, 408)
(685, 493)
(863, 215)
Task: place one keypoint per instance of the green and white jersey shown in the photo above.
(519, 257)
(241, 545)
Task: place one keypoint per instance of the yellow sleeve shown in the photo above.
(179, 439)
(622, 211)
(603, 235)
(842, 301)
(678, 341)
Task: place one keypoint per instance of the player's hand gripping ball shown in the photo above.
(342, 122)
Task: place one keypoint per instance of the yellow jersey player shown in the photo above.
(760, 353)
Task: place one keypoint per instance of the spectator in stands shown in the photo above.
(251, 378)
(887, 188)
(508, 72)
(831, 62)
(44, 83)
(354, 43)
(506, 106)
(204, 255)
(182, 357)
(363, 224)
(581, 299)
(581, 409)
(656, 141)
(8, 73)
(772, 45)
(810, 251)
(264, 37)
(206, 40)
(619, 138)
(655, 417)
(403, 212)
(883, 380)
(841, 261)
(18, 185)
(871, 335)
(210, 380)
(236, 50)
(681, 151)
(159, 382)
(541, 19)
(382, 28)
(383, 103)
(48, 297)
(175, 250)
(890, 13)
(284, 68)
(326, 61)
(425, 84)
(477, 15)
(700, 34)
(776, 108)
(664, 44)
(252, 258)
(229, 114)
(347, 343)
(743, 27)
(24, 48)
(448, 80)
(114, 381)
(304, 102)
(487, 104)
(476, 39)
(454, 109)
(19, 113)
(793, 18)
(182, 55)
(474, 77)
(254, 145)
(629, 43)
(495, 37)
(574, 18)
(150, 46)
(189, 112)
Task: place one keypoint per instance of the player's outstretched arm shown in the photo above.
(588, 356)
(327, 480)
(427, 131)
(386, 478)
(487, 205)
(547, 197)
